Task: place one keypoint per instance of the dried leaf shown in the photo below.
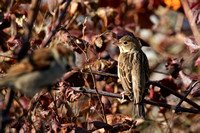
(186, 80)
(98, 42)
(191, 44)
(197, 62)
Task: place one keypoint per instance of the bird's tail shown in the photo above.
(138, 110)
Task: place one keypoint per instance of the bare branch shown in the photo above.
(175, 93)
(189, 15)
(109, 94)
(57, 25)
(191, 87)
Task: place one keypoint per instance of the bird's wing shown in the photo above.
(39, 60)
(139, 75)
(146, 67)
(124, 68)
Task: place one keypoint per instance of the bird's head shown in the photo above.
(128, 43)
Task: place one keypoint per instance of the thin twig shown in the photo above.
(98, 73)
(57, 25)
(156, 84)
(191, 20)
(160, 72)
(168, 125)
(93, 78)
(109, 94)
(191, 87)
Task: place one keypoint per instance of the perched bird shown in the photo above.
(133, 71)
(39, 69)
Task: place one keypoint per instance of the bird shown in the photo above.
(133, 71)
(39, 69)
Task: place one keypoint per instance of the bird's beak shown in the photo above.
(116, 43)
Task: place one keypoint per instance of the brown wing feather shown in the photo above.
(124, 76)
(39, 60)
(42, 59)
(139, 78)
(139, 75)
(23, 67)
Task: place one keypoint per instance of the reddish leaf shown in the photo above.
(191, 44)
(193, 3)
(168, 82)
(197, 62)
(107, 104)
(13, 42)
(154, 95)
(45, 101)
(196, 90)
(24, 102)
(196, 13)
(187, 79)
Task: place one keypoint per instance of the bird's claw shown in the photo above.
(122, 100)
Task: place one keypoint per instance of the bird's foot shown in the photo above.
(123, 99)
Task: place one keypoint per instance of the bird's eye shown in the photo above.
(125, 43)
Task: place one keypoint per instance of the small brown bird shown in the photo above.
(40, 69)
(133, 71)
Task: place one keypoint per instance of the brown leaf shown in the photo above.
(98, 42)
